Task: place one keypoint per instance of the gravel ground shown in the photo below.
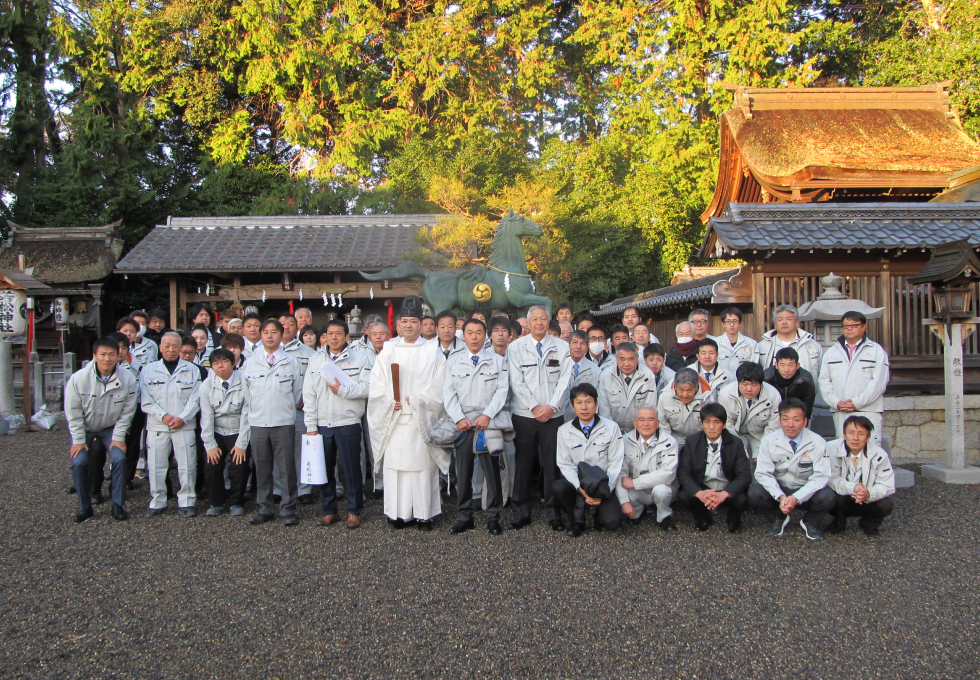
(218, 598)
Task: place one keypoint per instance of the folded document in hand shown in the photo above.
(332, 373)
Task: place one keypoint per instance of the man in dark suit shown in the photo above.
(714, 471)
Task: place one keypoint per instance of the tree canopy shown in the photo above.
(596, 118)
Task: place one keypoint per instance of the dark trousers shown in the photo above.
(275, 445)
(465, 458)
(202, 458)
(214, 473)
(96, 465)
(81, 469)
(534, 442)
(816, 508)
(345, 440)
(609, 513)
(134, 443)
(871, 514)
(733, 504)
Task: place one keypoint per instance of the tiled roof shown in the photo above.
(747, 227)
(291, 243)
(696, 290)
(61, 255)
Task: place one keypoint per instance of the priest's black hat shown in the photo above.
(412, 306)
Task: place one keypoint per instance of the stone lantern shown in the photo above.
(826, 311)
(952, 271)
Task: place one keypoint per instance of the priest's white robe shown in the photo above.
(409, 465)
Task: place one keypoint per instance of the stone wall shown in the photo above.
(917, 427)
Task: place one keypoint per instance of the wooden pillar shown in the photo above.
(173, 302)
(758, 301)
(181, 304)
(237, 297)
(885, 284)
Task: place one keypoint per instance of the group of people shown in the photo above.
(604, 424)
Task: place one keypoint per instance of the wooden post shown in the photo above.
(173, 302)
(181, 304)
(759, 300)
(885, 283)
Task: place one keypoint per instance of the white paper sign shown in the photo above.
(314, 468)
(332, 374)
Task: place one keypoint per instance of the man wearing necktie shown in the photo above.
(627, 388)
(583, 369)
(752, 406)
(714, 472)
(251, 329)
(225, 432)
(649, 470)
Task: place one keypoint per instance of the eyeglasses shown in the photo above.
(700, 322)
(646, 420)
(731, 322)
(854, 325)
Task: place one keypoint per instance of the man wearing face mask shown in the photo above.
(597, 347)
(684, 353)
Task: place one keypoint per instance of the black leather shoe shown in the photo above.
(668, 524)
(635, 521)
(305, 499)
(130, 486)
(576, 530)
(276, 498)
(83, 515)
(70, 491)
(154, 512)
(119, 512)
(520, 524)
(425, 524)
(290, 520)
(97, 499)
(871, 532)
(396, 523)
(702, 526)
(187, 512)
(557, 525)
(376, 494)
(461, 526)
(735, 527)
(260, 519)
(493, 526)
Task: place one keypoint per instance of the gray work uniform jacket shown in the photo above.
(759, 420)
(163, 393)
(804, 344)
(876, 470)
(251, 347)
(275, 391)
(862, 380)
(620, 401)
(656, 466)
(300, 352)
(804, 473)
(588, 372)
(539, 380)
(143, 353)
(472, 391)
(719, 378)
(224, 411)
(91, 406)
(323, 408)
(664, 378)
(679, 419)
(731, 356)
(603, 448)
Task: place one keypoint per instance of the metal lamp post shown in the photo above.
(952, 271)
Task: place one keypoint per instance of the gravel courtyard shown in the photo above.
(218, 598)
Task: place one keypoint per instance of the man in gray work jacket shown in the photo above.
(100, 401)
(540, 372)
(225, 433)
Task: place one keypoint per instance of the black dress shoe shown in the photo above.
(493, 526)
(261, 519)
(376, 494)
(425, 524)
(70, 491)
(557, 525)
(97, 498)
(461, 526)
(83, 515)
(154, 512)
(130, 486)
(396, 523)
(871, 532)
(521, 523)
(187, 512)
(635, 521)
(576, 530)
(119, 512)
(702, 526)
(668, 524)
(305, 499)
(735, 527)
(290, 520)
(276, 498)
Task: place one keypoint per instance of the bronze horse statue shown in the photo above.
(504, 282)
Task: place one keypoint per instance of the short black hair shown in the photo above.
(127, 321)
(654, 348)
(581, 335)
(554, 327)
(445, 314)
(201, 327)
(515, 326)
(222, 353)
(860, 421)
(855, 316)
(232, 340)
(708, 342)
(583, 388)
(120, 339)
(734, 311)
(108, 342)
(641, 323)
(252, 315)
(498, 321)
(714, 410)
(562, 306)
(287, 315)
(308, 328)
(617, 328)
(790, 403)
(188, 341)
(273, 322)
(427, 317)
(584, 317)
(634, 308)
(600, 329)
(334, 322)
(471, 320)
(788, 353)
(750, 372)
(138, 312)
(201, 307)
(157, 313)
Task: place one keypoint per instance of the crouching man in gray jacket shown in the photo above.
(99, 404)
(649, 469)
(596, 442)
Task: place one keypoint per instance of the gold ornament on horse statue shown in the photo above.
(482, 292)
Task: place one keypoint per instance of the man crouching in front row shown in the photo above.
(590, 457)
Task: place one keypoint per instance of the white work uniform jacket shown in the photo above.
(804, 344)
(300, 352)
(862, 380)
(876, 470)
(656, 466)
(603, 448)
(804, 473)
(91, 406)
(719, 378)
(664, 378)
(323, 408)
(759, 420)
(457, 346)
(620, 401)
(142, 353)
(731, 356)
(251, 347)
(539, 380)
(275, 390)
(224, 411)
(679, 419)
(470, 391)
(176, 394)
(588, 372)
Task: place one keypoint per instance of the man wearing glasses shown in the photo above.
(701, 320)
(734, 349)
(649, 470)
(854, 374)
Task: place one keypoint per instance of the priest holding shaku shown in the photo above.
(406, 395)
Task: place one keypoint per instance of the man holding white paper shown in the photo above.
(335, 392)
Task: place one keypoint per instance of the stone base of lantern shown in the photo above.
(965, 475)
